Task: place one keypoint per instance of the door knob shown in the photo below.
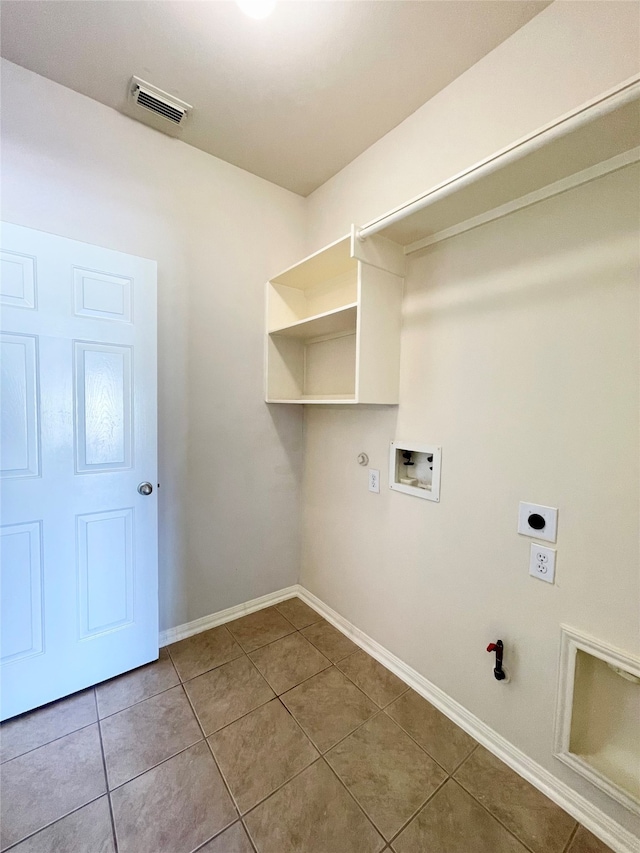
(145, 488)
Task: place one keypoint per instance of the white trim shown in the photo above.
(562, 186)
(571, 642)
(181, 632)
(590, 816)
(585, 812)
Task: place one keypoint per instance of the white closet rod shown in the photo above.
(629, 92)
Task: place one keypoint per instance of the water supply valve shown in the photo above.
(498, 648)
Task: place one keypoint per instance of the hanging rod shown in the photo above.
(605, 104)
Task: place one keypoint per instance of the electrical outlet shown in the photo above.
(542, 563)
(374, 480)
(539, 522)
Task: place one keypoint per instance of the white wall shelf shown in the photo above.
(333, 327)
(333, 320)
(340, 320)
(601, 136)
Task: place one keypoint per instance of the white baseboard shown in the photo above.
(596, 821)
(181, 632)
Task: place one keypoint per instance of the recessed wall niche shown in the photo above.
(598, 715)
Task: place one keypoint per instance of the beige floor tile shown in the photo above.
(331, 642)
(258, 629)
(134, 686)
(88, 830)
(227, 693)
(49, 782)
(260, 752)
(328, 707)
(374, 679)
(289, 661)
(312, 814)
(387, 773)
(441, 738)
(298, 613)
(29, 731)
(585, 842)
(173, 808)
(532, 817)
(232, 840)
(138, 738)
(203, 652)
(453, 822)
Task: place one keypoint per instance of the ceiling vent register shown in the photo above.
(154, 100)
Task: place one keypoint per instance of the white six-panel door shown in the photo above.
(78, 541)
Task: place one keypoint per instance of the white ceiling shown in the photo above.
(292, 98)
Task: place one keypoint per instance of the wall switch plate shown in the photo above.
(540, 522)
(374, 480)
(542, 562)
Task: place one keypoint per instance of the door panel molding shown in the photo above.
(21, 587)
(20, 415)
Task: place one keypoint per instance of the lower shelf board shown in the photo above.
(319, 398)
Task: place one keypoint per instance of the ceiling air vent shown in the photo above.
(153, 100)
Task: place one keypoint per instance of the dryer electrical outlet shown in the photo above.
(537, 521)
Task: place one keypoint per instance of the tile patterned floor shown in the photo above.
(271, 734)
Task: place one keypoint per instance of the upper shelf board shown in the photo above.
(600, 130)
(327, 263)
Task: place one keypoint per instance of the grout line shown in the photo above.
(53, 740)
(246, 714)
(224, 781)
(384, 840)
(154, 766)
(395, 698)
(275, 607)
(334, 662)
(286, 781)
(417, 812)
(251, 841)
(270, 643)
(571, 837)
(53, 822)
(282, 785)
(168, 757)
(106, 778)
(465, 759)
(303, 681)
(426, 751)
(138, 701)
(494, 816)
(376, 714)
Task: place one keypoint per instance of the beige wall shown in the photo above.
(520, 357)
(229, 466)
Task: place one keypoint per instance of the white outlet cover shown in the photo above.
(549, 513)
(542, 563)
(374, 480)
